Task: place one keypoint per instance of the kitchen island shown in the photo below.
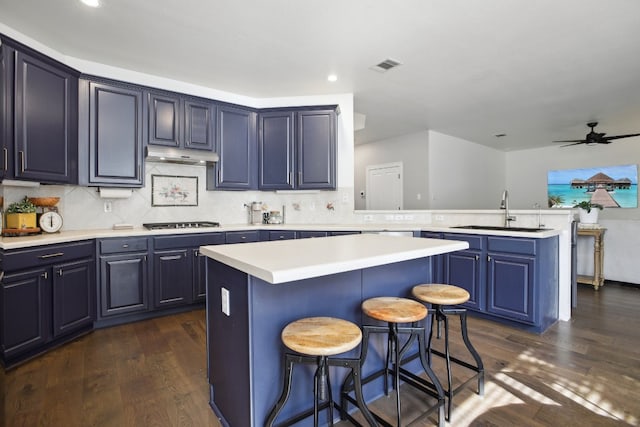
(255, 289)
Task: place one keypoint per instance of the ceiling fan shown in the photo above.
(596, 138)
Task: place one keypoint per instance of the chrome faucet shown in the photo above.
(504, 204)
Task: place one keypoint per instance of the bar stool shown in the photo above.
(440, 295)
(314, 339)
(396, 311)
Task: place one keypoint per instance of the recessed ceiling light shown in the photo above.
(91, 3)
(332, 78)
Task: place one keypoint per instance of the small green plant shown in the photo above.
(587, 205)
(23, 206)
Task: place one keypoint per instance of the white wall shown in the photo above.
(526, 179)
(463, 174)
(412, 151)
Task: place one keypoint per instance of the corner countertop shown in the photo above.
(288, 260)
(139, 231)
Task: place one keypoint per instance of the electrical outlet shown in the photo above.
(226, 305)
(107, 206)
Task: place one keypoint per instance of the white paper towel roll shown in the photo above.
(115, 193)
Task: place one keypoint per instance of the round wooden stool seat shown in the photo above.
(394, 310)
(440, 294)
(321, 336)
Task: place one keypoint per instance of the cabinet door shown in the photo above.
(199, 124)
(115, 135)
(236, 146)
(465, 269)
(199, 263)
(123, 284)
(25, 309)
(316, 147)
(310, 234)
(46, 122)
(281, 235)
(172, 278)
(438, 260)
(510, 286)
(164, 119)
(73, 296)
(276, 151)
(6, 109)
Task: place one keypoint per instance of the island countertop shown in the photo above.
(288, 260)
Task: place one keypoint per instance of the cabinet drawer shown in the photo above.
(46, 255)
(133, 244)
(310, 234)
(430, 235)
(512, 245)
(242, 236)
(282, 235)
(475, 242)
(186, 241)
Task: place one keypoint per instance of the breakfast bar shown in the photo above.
(255, 289)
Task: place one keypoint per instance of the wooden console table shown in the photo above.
(597, 279)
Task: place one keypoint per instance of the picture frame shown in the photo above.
(172, 190)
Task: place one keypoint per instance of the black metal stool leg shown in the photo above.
(472, 350)
(286, 389)
(448, 392)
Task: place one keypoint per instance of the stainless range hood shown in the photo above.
(183, 156)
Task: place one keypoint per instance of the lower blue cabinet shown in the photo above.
(509, 278)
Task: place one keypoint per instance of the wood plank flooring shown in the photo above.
(585, 372)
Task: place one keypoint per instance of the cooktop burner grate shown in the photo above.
(180, 225)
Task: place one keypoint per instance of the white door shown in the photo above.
(384, 187)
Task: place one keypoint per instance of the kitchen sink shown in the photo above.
(501, 228)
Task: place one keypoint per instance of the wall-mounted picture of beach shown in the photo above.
(611, 186)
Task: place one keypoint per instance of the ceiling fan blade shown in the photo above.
(572, 140)
(610, 138)
(575, 143)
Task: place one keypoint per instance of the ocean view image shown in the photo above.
(613, 184)
(572, 196)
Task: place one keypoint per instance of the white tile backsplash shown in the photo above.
(83, 209)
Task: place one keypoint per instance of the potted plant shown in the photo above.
(21, 214)
(588, 211)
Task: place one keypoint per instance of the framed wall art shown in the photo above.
(609, 186)
(167, 190)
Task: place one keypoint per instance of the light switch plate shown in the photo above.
(226, 306)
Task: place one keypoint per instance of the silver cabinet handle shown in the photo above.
(489, 258)
(477, 257)
(5, 158)
(125, 246)
(21, 154)
(45, 275)
(57, 254)
(60, 272)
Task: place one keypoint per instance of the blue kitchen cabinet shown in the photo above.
(436, 260)
(297, 148)
(316, 149)
(180, 121)
(510, 279)
(310, 234)
(467, 269)
(47, 297)
(111, 134)
(124, 276)
(179, 274)
(236, 147)
(6, 108)
(279, 235)
(39, 117)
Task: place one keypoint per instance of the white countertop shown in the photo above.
(76, 235)
(288, 260)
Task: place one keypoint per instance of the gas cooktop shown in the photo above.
(180, 225)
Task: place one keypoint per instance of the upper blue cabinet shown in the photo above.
(39, 116)
(236, 147)
(181, 121)
(297, 148)
(111, 134)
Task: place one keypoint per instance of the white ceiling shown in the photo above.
(535, 70)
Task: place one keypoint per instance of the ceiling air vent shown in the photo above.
(385, 65)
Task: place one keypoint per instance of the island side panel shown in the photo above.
(228, 345)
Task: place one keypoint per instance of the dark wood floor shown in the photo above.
(585, 372)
